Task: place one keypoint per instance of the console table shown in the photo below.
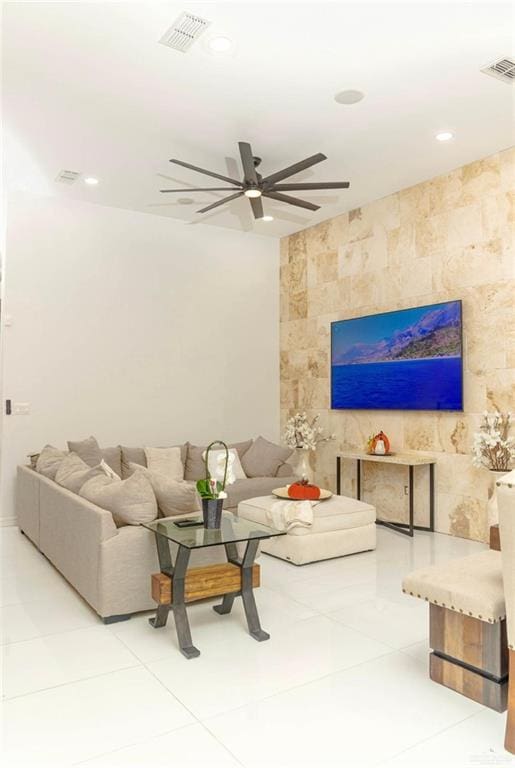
(410, 460)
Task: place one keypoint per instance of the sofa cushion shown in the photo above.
(166, 461)
(174, 497)
(285, 470)
(49, 460)
(264, 458)
(252, 486)
(472, 585)
(88, 450)
(73, 472)
(335, 514)
(137, 456)
(195, 469)
(113, 457)
(131, 501)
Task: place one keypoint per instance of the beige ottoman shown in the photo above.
(341, 526)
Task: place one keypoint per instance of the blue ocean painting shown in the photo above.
(407, 360)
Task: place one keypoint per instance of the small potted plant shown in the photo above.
(494, 449)
(211, 489)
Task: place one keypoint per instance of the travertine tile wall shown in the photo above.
(448, 238)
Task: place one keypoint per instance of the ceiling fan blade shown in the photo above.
(220, 202)
(207, 173)
(291, 200)
(295, 168)
(200, 189)
(319, 185)
(247, 160)
(257, 207)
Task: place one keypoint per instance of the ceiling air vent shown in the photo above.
(67, 177)
(184, 31)
(503, 69)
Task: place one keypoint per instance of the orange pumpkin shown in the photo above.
(380, 436)
(303, 490)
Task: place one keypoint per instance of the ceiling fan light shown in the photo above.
(252, 193)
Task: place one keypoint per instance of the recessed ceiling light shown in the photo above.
(252, 193)
(185, 200)
(220, 44)
(91, 181)
(444, 136)
(267, 218)
(349, 97)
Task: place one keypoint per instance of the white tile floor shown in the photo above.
(342, 682)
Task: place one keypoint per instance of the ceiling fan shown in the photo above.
(255, 186)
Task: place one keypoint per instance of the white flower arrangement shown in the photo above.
(299, 432)
(493, 448)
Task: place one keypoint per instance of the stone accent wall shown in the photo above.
(448, 238)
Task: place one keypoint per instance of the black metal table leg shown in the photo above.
(358, 480)
(182, 625)
(165, 565)
(432, 497)
(410, 500)
(161, 617)
(247, 594)
(338, 475)
(227, 603)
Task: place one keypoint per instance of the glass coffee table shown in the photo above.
(236, 576)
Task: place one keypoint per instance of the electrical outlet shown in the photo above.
(21, 409)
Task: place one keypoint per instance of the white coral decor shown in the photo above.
(493, 448)
(302, 433)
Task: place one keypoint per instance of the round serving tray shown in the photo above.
(282, 493)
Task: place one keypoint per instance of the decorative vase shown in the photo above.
(491, 507)
(302, 464)
(212, 512)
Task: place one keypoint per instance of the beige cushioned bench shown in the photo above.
(341, 526)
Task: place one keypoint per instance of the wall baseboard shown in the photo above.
(5, 521)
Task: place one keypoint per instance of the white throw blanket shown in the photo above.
(285, 515)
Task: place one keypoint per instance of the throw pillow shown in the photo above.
(137, 456)
(88, 450)
(213, 464)
(194, 468)
(131, 501)
(108, 470)
(174, 497)
(73, 473)
(49, 460)
(113, 457)
(166, 461)
(264, 458)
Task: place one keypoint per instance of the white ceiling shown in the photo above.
(88, 88)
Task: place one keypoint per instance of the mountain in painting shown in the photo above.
(435, 334)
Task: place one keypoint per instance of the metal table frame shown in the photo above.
(177, 574)
(405, 528)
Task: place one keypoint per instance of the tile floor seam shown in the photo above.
(427, 738)
(296, 687)
(370, 637)
(61, 632)
(71, 682)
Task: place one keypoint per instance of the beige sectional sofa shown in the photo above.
(109, 566)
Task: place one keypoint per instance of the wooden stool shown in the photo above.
(467, 626)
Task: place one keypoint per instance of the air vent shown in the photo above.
(504, 70)
(67, 177)
(184, 31)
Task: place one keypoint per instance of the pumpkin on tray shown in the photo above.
(303, 490)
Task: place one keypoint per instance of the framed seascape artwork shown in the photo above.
(410, 359)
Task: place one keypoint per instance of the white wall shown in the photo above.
(136, 329)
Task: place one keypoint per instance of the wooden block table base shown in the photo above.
(200, 583)
(470, 656)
